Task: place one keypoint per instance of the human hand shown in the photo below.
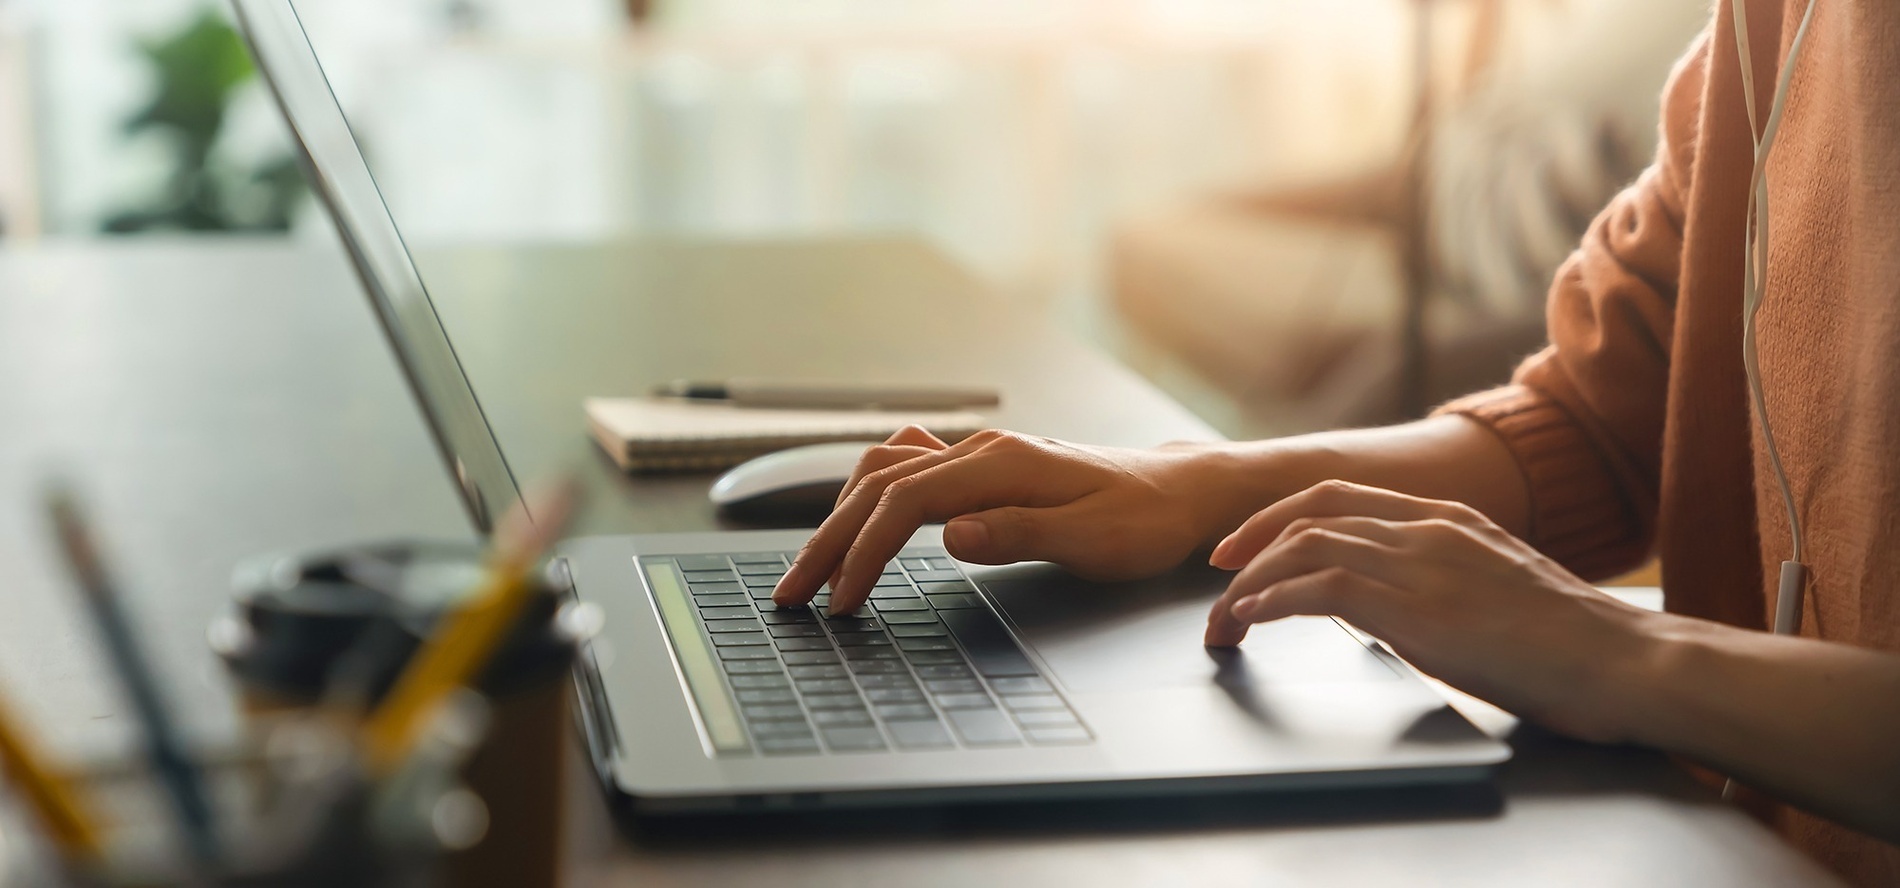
(1447, 590)
(1104, 513)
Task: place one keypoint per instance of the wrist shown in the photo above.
(1229, 482)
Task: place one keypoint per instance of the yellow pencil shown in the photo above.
(50, 796)
(456, 652)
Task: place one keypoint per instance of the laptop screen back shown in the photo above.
(334, 164)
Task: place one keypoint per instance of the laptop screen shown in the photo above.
(338, 173)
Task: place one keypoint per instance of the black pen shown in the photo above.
(174, 767)
(792, 394)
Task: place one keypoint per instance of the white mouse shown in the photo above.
(804, 479)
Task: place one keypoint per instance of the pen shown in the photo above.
(456, 652)
(830, 395)
(162, 746)
(47, 794)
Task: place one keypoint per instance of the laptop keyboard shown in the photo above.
(924, 665)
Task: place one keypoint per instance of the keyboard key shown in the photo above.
(983, 727)
(894, 695)
(809, 658)
(958, 587)
(947, 670)
(887, 605)
(1046, 719)
(1055, 736)
(906, 711)
(733, 626)
(921, 552)
(853, 624)
(886, 681)
(854, 739)
(824, 685)
(760, 681)
(748, 652)
(920, 630)
(883, 592)
(965, 701)
(951, 685)
(935, 576)
(795, 615)
(915, 618)
(692, 564)
(892, 577)
(781, 728)
(752, 667)
(726, 639)
(829, 671)
(826, 718)
(774, 568)
(766, 695)
(992, 651)
(724, 575)
(878, 667)
(956, 602)
(935, 658)
(760, 593)
(714, 588)
(773, 712)
(757, 581)
(721, 599)
(870, 652)
(861, 639)
(926, 644)
(802, 644)
(724, 613)
(1024, 685)
(766, 606)
(797, 630)
(806, 745)
(834, 701)
(920, 734)
(757, 557)
(1029, 702)
(915, 564)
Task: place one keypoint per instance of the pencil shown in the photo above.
(455, 653)
(52, 800)
(174, 767)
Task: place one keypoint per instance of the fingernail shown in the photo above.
(967, 535)
(1245, 608)
(1220, 550)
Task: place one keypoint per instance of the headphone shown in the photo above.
(1794, 573)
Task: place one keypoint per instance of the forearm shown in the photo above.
(1814, 723)
(1445, 457)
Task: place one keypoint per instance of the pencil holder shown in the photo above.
(336, 627)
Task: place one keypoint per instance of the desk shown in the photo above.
(219, 399)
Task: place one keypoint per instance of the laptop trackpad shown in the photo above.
(1132, 636)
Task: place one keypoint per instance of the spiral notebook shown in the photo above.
(677, 435)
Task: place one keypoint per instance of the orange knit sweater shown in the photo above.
(1634, 429)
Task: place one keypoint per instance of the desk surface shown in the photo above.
(221, 399)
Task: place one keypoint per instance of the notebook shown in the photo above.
(678, 435)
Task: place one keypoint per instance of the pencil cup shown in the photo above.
(338, 627)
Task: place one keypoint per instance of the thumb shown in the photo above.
(1009, 534)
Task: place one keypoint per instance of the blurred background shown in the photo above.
(1290, 214)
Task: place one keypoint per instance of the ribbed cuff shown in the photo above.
(1577, 515)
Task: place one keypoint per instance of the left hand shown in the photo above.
(1450, 592)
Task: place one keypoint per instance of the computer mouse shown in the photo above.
(804, 479)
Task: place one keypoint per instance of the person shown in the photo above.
(1464, 540)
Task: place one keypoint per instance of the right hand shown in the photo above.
(1103, 513)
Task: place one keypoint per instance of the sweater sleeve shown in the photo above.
(1584, 417)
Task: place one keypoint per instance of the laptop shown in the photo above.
(954, 683)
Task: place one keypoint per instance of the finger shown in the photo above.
(825, 551)
(1354, 597)
(977, 482)
(877, 459)
(1313, 550)
(916, 436)
(1327, 499)
(1009, 534)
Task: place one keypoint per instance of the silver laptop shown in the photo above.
(955, 682)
